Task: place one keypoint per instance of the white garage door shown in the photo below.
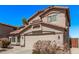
(30, 40)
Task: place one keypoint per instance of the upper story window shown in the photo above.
(52, 18)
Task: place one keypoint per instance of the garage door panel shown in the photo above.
(30, 40)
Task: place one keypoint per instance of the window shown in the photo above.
(10, 39)
(36, 26)
(58, 37)
(52, 18)
(13, 39)
(18, 40)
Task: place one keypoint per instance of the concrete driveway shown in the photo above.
(17, 50)
(24, 50)
(74, 50)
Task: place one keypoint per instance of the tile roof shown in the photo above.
(54, 26)
(44, 24)
(37, 13)
(19, 30)
(8, 25)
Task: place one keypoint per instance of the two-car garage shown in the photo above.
(29, 40)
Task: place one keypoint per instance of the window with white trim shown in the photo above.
(52, 18)
(13, 39)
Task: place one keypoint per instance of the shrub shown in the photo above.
(0, 43)
(46, 47)
(4, 43)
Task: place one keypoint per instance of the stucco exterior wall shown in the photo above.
(36, 18)
(30, 40)
(60, 21)
(27, 31)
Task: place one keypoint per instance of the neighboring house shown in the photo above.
(50, 24)
(5, 30)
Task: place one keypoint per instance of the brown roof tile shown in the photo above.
(54, 27)
(44, 24)
(19, 30)
(8, 25)
(37, 13)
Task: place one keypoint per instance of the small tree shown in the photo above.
(25, 22)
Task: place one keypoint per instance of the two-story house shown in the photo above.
(51, 23)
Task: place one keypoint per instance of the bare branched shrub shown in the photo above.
(46, 47)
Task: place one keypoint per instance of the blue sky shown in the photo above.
(13, 15)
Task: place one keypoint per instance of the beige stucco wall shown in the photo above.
(36, 18)
(61, 19)
(22, 41)
(30, 40)
(27, 31)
